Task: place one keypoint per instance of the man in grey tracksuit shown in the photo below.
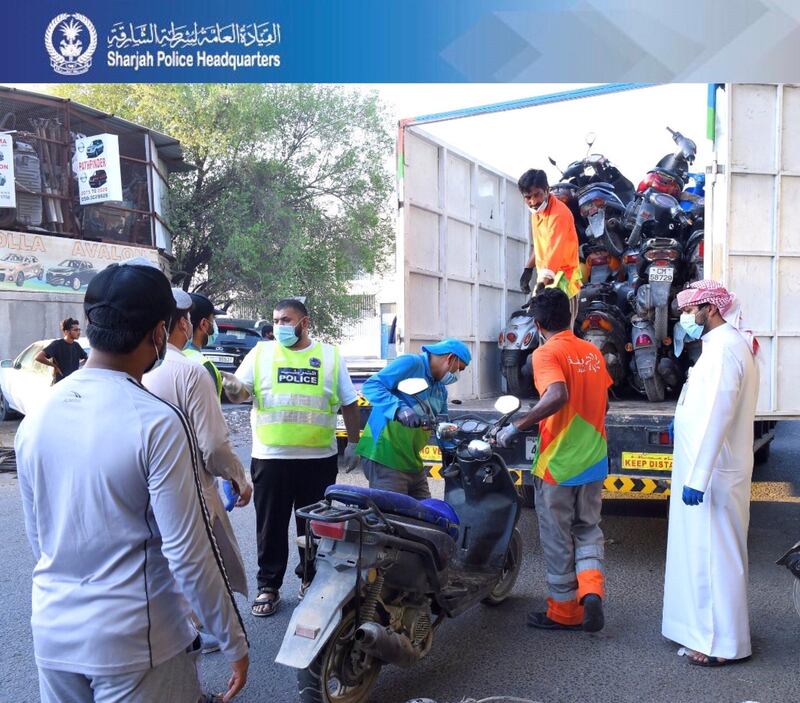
(116, 519)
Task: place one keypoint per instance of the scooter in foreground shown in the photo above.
(390, 569)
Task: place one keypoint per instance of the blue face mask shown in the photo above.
(689, 323)
(213, 336)
(286, 335)
(448, 378)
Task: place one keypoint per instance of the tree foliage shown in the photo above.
(290, 195)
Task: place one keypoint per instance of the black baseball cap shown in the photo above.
(203, 307)
(141, 295)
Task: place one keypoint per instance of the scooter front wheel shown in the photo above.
(510, 572)
(796, 595)
(336, 675)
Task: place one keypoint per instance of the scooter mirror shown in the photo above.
(413, 386)
(507, 404)
(590, 139)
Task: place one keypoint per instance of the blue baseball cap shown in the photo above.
(450, 346)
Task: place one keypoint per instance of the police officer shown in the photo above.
(205, 331)
(298, 386)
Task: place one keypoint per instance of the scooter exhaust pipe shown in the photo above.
(385, 644)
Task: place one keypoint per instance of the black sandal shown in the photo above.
(266, 603)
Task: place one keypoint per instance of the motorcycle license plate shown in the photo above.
(661, 274)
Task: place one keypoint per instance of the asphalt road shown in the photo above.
(490, 652)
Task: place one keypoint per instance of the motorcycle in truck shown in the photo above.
(517, 343)
(390, 569)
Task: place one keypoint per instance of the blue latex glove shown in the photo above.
(692, 496)
(231, 496)
(671, 430)
(506, 436)
(408, 417)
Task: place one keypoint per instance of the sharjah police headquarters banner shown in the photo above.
(400, 41)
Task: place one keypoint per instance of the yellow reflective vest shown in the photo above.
(199, 358)
(296, 394)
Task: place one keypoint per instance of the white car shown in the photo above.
(24, 381)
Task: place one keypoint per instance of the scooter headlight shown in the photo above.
(479, 449)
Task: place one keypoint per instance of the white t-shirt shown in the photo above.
(347, 395)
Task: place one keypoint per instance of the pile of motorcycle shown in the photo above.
(639, 247)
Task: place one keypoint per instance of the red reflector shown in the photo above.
(630, 259)
(597, 259)
(501, 338)
(663, 438)
(662, 263)
(334, 530)
(527, 339)
(701, 249)
(643, 340)
(511, 337)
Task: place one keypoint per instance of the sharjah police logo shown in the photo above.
(77, 41)
(315, 363)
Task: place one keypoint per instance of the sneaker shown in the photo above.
(208, 643)
(593, 618)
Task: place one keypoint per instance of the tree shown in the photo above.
(291, 192)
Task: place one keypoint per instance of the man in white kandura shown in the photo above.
(705, 590)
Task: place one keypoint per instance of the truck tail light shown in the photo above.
(643, 340)
(527, 339)
(511, 337)
(334, 530)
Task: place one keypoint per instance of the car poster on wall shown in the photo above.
(99, 177)
(8, 195)
(42, 264)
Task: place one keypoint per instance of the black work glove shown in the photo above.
(525, 280)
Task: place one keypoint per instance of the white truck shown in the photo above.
(462, 239)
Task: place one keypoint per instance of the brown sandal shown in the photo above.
(265, 604)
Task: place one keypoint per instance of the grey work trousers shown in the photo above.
(175, 681)
(388, 479)
(569, 530)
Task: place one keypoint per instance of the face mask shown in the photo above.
(286, 335)
(541, 207)
(160, 354)
(450, 377)
(213, 336)
(689, 323)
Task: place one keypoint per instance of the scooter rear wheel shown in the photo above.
(508, 577)
(654, 388)
(331, 677)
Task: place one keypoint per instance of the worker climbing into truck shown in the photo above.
(394, 436)
(554, 250)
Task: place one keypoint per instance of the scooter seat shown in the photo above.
(430, 510)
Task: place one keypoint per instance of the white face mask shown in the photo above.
(541, 207)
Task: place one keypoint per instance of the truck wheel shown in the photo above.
(336, 675)
(761, 455)
(20, 279)
(508, 576)
(654, 388)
